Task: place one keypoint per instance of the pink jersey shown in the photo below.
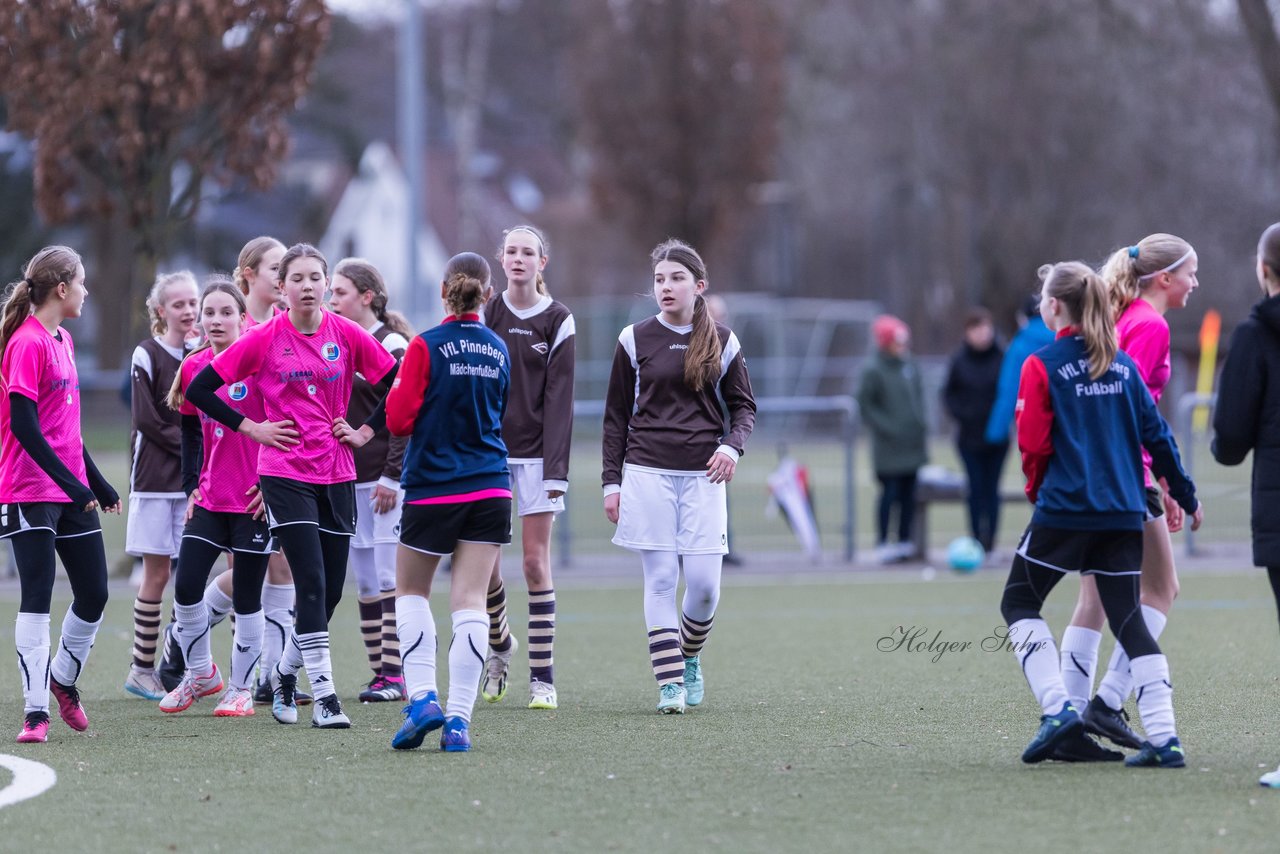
(1143, 333)
(39, 366)
(234, 456)
(306, 379)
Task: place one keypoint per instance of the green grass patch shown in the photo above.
(811, 738)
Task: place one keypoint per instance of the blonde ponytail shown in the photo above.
(48, 268)
(1130, 269)
(1087, 300)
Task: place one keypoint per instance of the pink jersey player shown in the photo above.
(233, 456)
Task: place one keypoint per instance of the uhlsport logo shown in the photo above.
(239, 391)
(330, 351)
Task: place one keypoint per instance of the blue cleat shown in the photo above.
(456, 737)
(1053, 729)
(693, 684)
(420, 717)
(1150, 756)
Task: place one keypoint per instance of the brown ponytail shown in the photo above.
(366, 278)
(702, 359)
(466, 277)
(1087, 300)
(214, 284)
(50, 267)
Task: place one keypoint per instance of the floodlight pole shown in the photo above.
(411, 127)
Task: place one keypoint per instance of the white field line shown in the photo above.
(29, 779)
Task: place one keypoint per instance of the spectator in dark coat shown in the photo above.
(968, 395)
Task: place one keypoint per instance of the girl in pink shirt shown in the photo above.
(304, 362)
(50, 490)
(1146, 280)
(220, 517)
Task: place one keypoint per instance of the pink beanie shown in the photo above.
(887, 329)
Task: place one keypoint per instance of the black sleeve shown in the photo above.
(102, 490)
(202, 392)
(25, 425)
(377, 420)
(192, 452)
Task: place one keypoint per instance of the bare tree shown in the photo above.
(134, 104)
(1260, 25)
(679, 103)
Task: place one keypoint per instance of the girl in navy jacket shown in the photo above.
(1084, 414)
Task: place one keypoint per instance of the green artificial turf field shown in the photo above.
(811, 738)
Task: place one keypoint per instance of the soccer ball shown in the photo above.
(965, 554)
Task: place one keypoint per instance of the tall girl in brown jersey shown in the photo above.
(537, 428)
(157, 504)
(667, 459)
(358, 293)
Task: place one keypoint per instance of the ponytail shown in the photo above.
(48, 268)
(702, 359)
(1087, 300)
(366, 278)
(17, 308)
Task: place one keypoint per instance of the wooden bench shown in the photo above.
(936, 492)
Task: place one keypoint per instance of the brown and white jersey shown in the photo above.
(538, 425)
(653, 419)
(155, 442)
(381, 458)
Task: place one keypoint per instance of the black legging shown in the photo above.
(319, 563)
(85, 560)
(197, 557)
(897, 490)
(1029, 584)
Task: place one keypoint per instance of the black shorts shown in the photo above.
(231, 532)
(62, 518)
(330, 506)
(1087, 552)
(1155, 503)
(436, 529)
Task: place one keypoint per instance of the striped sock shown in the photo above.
(146, 628)
(499, 632)
(542, 635)
(693, 634)
(390, 637)
(664, 655)
(371, 631)
(315, 658)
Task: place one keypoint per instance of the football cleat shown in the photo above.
(144, 684)
(1170, 755)
(694, 687)
(1079, 747)
(234, 703)
(1101, 719)
(327, 714)
(493, 685)
(672, 699)
(173, 665)
(35, 728)
(1053, 729)
(456, 736)
(191, 689)
(1271, 779)
(69, 708)
(542, 695)
(420, 717)
(284, 706)
(381, 690)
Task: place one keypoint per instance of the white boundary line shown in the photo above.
(29, 779)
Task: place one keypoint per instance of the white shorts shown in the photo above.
(155, 525)
(375, 529)
(526, 483)
(668, 512)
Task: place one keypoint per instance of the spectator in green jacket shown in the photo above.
(891, 404)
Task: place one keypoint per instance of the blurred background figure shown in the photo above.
(891, 404)
(1032, 335)
(969, 396)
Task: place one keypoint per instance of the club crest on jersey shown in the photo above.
(311, 389)
(541, 347)
(238, 391)
(330, 351)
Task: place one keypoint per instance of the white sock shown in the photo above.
(192, 630)
(1155, 697)
(291, 659)
(1036, 653)
(416, 629)
(31, 635)
(315, 655)
(277, 608)
(218, 603)
(73, 648)
(247, 649)
(467, 653)
(1079, 662)
(1118, 681)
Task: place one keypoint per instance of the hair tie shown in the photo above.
(1134, 251)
